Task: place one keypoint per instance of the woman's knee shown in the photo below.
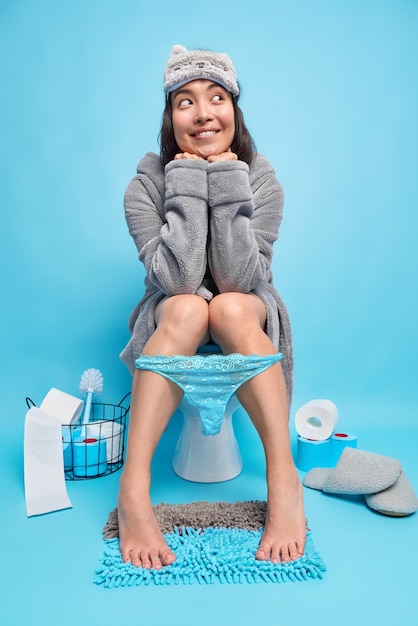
(183, 313)
(231, 312)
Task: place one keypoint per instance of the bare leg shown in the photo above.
(141, 540)
(182, 323)
(236, 322)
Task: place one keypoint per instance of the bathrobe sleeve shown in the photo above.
(171, 239)
(245, 211)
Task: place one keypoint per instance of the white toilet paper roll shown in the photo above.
(316, 420)
(110, 431)
(62, 407)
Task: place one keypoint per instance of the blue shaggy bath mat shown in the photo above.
(220, 550)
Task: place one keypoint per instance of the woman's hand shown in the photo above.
(224, 156)
(187, 155)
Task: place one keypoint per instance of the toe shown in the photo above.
(294, 552)
(263, 552)
(168, 558)
(281, 555)
(144, 560)
(126, 556)
(155, 560)
(135, 558)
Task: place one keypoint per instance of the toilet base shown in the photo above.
(206, 458)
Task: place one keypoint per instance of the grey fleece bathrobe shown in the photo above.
(206, 228)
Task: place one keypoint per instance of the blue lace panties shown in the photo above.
(209, 381)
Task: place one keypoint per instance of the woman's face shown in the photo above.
(203, 118)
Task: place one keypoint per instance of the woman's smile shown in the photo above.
(205, 133)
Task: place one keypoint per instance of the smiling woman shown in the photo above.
(204, 216)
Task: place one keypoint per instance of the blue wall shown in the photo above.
(330, 95)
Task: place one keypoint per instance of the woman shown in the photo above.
(204, 216)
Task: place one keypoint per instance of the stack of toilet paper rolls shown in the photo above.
(318, 442)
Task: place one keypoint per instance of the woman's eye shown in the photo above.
(184, 102)
(217, 97)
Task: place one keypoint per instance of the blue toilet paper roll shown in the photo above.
(312, 454)
(70, 434)
(339, 441)
(89, 457)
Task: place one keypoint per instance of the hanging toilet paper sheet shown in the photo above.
(316, 420)
(45, 488)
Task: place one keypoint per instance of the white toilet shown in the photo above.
(207, 458)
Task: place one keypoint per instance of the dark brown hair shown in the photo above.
(242, 144)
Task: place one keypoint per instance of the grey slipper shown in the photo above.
(357, 472)
(397, 500)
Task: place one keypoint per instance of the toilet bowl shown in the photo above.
(207, 458)
(207, 450)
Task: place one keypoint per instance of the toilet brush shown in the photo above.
(91, 382)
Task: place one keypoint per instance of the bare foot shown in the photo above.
(284, 533)
(141, 541)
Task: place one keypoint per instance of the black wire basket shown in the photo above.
(97, 448)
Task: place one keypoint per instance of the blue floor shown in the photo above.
(49, 561)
